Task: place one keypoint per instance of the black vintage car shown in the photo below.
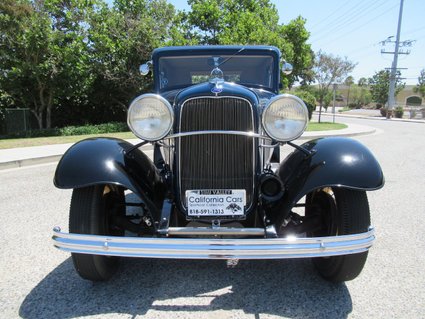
(216, 187)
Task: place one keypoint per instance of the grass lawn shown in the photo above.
(325, 126)
(37, 141)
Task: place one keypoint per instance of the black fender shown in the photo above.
(106, 161)
(335, 162)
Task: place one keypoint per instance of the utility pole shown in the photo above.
(334, 86)
(398, 50)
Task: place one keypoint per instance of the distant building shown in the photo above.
(408, 98)
(405, 98)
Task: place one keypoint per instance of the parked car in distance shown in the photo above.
(216, 187)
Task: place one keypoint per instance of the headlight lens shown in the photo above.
(285, 117)
(150, 117)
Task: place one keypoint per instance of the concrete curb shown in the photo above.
(348, 132)
(30, 161)
(55, 156)
(376, 118)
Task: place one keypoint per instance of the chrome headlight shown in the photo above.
(285, 117)
(150, 117)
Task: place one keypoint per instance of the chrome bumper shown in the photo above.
(201, 248)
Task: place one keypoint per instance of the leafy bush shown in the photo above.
(33, 133)
(399, 112)
(93, 129)
(359, 97)
(353, 105)
(309, 100)
(112, 127)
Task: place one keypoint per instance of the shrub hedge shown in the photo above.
(112, 127)
(309, 100)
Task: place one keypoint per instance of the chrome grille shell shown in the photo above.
(217, 161)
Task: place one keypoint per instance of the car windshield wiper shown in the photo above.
(234, 54)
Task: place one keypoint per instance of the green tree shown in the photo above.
(206, 20)
(360, 96)
(420, 87)
(77, 61)
(41, 53)
(329, 69)
(349, 81)
(122, 38)
(362, 82)
(25, 62)
(379, 85)
(250, 22)
(299, 53)
(309, 100)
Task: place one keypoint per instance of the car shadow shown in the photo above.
(289, 288)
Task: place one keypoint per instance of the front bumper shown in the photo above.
(201, 248)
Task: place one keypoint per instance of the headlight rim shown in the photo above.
(278, 97)
(165, 102)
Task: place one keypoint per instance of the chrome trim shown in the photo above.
(167, 105)
(248, 134)
(279, 97)
(162, 144)
(201, 248)
(269, 146)
(253, 149)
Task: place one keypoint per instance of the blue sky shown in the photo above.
(354, 28)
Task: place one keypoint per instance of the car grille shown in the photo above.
(216, 161)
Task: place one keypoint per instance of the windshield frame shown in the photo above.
(212, 51)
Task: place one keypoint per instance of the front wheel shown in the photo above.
(91, 212)
(342, 212)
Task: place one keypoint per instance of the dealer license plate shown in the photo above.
(216, 202)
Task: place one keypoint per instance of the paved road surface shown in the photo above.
(38, 281)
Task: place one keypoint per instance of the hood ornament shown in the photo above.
(216, 78)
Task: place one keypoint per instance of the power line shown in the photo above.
(414, 30)
(331, 24)
(370, 45)
(351, 22)
(344, 22)
(363, 25)
(330, 15)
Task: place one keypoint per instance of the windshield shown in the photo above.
(252, 70)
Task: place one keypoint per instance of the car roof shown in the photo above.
(221, 49)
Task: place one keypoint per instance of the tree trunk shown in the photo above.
(320, 110)
(348, 96)
(49, 116)
(49, 110)
(39, 116)
(42, 106)
(37, 113)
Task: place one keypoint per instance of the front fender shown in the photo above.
(105, 161)
(337, 161)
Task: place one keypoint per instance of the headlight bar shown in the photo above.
(240, 133)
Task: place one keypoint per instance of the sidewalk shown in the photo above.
(34, 155)
(367, 114)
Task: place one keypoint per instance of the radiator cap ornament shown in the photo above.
(216, 78)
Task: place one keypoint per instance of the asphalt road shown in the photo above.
(38, 281)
